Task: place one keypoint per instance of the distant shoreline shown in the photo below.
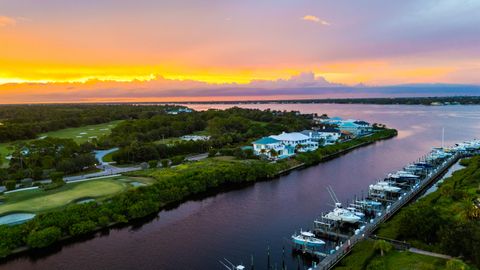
(427, 101)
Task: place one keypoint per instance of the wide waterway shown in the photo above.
(239, 223)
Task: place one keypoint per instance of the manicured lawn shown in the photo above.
(36, 201)
(177, 139)
(79, 135)
(397, 260)
(108, 157)
(85, 133)
(364, 257)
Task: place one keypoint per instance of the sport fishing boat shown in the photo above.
(402, 176)
(339, 213)
(343, 215)
(307, 239)
(414, 169)
(424, 165)
(356, 212)
(369, 203)
(384, 186)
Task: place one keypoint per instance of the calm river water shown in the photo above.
(240, 223)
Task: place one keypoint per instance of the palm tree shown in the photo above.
(273, 153)
(383, 246)
(298, 147)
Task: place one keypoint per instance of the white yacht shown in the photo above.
(342, 214)
(384, 186)
(413, 169)
(356, 212)
(403, 175)
(369, 203)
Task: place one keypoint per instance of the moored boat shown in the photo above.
(307, 239)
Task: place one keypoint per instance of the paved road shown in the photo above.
(197, 157)
(100, 154)
(431, 254)
(108, 169)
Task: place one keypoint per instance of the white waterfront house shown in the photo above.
(284, 145)
(272, 148)
(179, 110)
(301, 142)
(324, 135)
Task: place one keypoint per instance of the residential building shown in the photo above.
(179, 110)
(357, 128)
(272, 148)
(324, 135)
(283, 145)
(365, 127)
(195, 138)
(350, 127)
(301, 142)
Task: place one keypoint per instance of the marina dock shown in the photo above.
(343, 240)
(347, 245)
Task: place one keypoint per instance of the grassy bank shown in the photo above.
(171, 185)
(446, 221)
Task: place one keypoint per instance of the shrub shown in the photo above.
(177, 160)
(165, 163)
(10, 185)
(43, 238)
(82, 227)
(212, 152)
(153, 164)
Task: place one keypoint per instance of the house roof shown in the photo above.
(266, 140)
(294, 136)
(362, 123)
(307, 132)
(348, 124)
(327, 129)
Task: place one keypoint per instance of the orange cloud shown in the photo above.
(315, 19)
(7, 21)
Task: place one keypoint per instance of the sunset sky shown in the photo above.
(181, 44)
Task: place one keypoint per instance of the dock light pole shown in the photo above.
(268, 258)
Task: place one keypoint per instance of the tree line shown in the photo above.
(172, 185)
(21, 122)
(39, 158)
(141, 140)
